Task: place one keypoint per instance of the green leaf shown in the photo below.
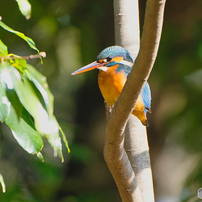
(41, 84)
(27, 39)
(20, 64)
(64, 139)
(15, 102)
(2, 183)
(55, 140)
(40, 156)
(22, 127)
(3, 48)
(4, 103)
(24, 132)
(25, 8)
(26, 94)
(45, 124)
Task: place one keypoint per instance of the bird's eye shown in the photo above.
(102, 61)
(109, 59)
(105, 60)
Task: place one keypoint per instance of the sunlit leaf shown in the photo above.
(46, 125)
(55, 140)
(3, 48)
(25, 8)
(27, 39)
(19, 64)
(15, 102)
(26, 94)
(2, 183)
(41, 84)
(64, 139)
(24, 132)
(32, 103)
(40, 156)
(4, 103)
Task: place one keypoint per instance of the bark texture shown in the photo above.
(131, 167)
(136, 145)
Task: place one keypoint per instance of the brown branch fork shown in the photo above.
(114, 152)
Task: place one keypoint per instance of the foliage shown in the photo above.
(2, 183)
(26, 102)
(25, 8)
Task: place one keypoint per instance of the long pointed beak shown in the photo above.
(87, 68)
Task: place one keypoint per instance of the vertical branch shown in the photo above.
(136, 146)
(124, 176)
(127, 35)
(127, 32)
(120, 163)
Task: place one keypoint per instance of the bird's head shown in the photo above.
(113, 55)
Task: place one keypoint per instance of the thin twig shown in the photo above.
(29, 57)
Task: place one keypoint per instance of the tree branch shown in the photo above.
(136, 145)
(126, 15)
(114, 153)
(137, 149)
(29, 57)
(127, 32)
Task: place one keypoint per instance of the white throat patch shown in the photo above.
(124, 62)
(103, 68)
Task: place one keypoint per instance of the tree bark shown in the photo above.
(126, 20)
(131, 170)
(136, 146)
(127, 35)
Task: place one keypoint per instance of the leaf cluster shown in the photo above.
(26, 102)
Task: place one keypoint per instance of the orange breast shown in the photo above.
(139, 111)
(111, 84)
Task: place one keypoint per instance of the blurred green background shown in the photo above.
(72, 33)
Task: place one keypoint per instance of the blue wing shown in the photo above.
(146, 93)
(146, 97)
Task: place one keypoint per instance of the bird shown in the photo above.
(115, 64)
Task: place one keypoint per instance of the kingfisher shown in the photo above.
(115, 64)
